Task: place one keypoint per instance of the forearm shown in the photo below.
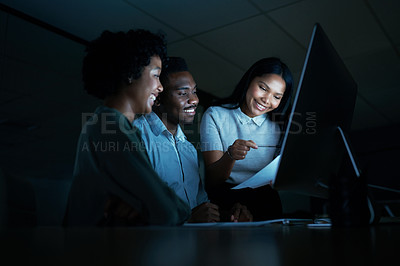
(219, 171)
(139, 185)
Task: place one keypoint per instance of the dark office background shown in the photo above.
(42, 100)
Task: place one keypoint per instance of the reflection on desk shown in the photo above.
(269, 245)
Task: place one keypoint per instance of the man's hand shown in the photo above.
(240, 213)
(205, 213)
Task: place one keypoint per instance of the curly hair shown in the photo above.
(115, 58)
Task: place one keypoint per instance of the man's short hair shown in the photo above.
(172, 65)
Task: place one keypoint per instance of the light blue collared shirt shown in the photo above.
(173, 158)
(219, 129)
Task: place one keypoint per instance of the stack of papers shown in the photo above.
(265, 176)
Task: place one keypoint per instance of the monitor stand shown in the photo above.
(350, 204)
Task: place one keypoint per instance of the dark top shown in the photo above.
(111, 160)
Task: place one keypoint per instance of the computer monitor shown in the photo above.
(313, 147)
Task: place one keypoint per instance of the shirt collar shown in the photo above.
(244, 119)
(158, 127)
(179, 135)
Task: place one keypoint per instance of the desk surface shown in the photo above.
(268, 245)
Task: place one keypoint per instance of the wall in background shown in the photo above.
(41, 102)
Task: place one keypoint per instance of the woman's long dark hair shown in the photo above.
(264, 66)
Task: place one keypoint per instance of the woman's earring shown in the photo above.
(129, 80)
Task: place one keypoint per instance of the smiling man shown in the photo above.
(172, 156)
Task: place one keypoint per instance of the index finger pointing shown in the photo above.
(251, 144)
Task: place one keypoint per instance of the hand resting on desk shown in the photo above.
(205, 213)
(209, 213)
(240, 213)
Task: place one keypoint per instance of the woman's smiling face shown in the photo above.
(143, 91)
(263, 95)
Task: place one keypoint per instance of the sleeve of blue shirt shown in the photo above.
(209, 133)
